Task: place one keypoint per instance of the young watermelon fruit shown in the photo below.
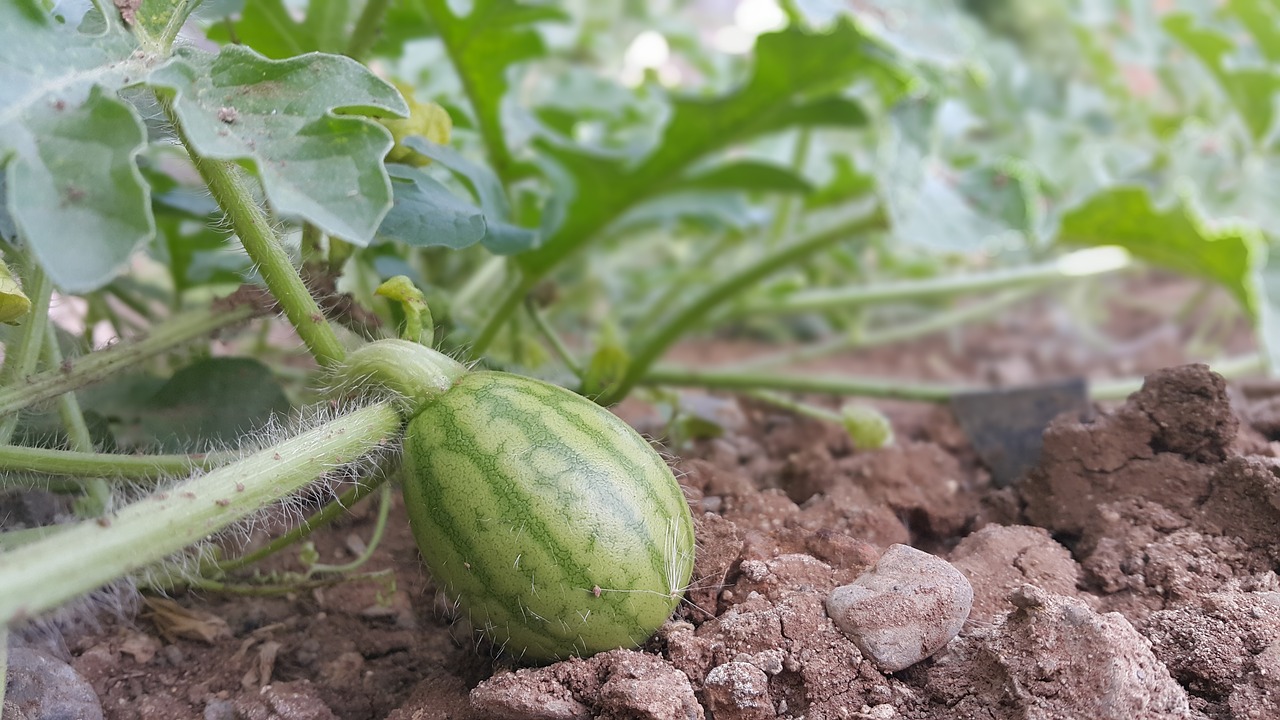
(552, 523)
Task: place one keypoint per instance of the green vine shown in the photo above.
(652, 348)
(100, 365)
(249, 219)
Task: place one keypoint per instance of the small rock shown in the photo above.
(904, 609)
(738, 691)
(283, 701)
(42, 687)
(528, 694)
(218, 709)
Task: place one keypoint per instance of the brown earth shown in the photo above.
(1131, 575)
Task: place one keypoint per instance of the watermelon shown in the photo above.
(552, 523)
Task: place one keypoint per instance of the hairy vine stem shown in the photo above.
(228, 187)
(101, 364)
(62, 566)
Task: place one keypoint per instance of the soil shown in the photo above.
(1131, 574)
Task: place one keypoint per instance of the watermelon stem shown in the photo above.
(92, 553)
(414, 373)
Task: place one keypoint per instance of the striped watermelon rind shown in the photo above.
(552, 523)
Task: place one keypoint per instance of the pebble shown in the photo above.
(738, 691)
(42, 687)
(904, 609)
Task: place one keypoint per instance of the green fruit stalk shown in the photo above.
(553, 524)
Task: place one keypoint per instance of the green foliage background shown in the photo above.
(615, 201)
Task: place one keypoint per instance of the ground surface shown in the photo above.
(1132, 575)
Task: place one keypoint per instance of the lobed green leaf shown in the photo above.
(1251, 89)
(1176, 238)
(483, 45)
(279, 119)
(72, 190)
(798, 80)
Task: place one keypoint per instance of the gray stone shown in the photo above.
(904, 609)
(42, 687)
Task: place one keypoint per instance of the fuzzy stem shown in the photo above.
(229, 189)
(100, 365)
(667, 333)
(41, 461)
(97, 492)
(276, 590)
(13, 539)
(1092, 261)
(326, 515)
(1229, 368)
(367, 28)
(553, 339)
(379, 527)
(414, 372)
(52, 571)
(935, 322)
(829, 385)
(782, 215)
(795, 406)
(501, 315)
(21, 357)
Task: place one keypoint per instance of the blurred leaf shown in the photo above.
(1005, 192)
(482, 180)
(213, 400)
(83, 185)
(1175, 238)
(848, 183)
(483, 45)
(608, 364)
(746, 175)
(501, 237)
(426, 213)
(1267, 326)
(796, 81)
(426, 119)
(73, 191)
(506, 239)
(927, 207)
(197, 253)
(1262, 19)
(14, 304)
(706, 210)
(277, 118)
(1251, 90)
(269, 27)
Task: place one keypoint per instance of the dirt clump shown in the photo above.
(999, 559)
(1155, 506)
(1225, 649)
(1053, 657)
(616, 684)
